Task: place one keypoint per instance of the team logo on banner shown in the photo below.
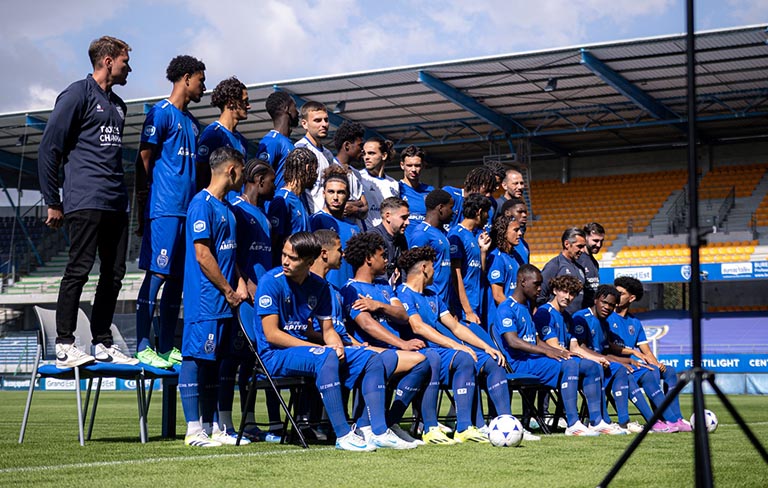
(685, 272)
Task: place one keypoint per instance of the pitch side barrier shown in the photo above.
(681, 273)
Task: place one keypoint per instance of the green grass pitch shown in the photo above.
(51, 456)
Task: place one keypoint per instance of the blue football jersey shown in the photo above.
(590, 330)
(346, 229)
(552, 324)
(213, 220)
(338, 317)
(427, 305)
(254, 244)
(379, 291)
(626, 331)
(523, 250)
(215, 136)
(514, 317)
(466, 250)
(426, 235)
(172, 176)
(415, 198)
(297, 306)
(288, 213)
(273, 149)
(458, 204)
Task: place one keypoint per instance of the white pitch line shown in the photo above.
(57, 467)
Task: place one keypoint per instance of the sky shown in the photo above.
(44, 43)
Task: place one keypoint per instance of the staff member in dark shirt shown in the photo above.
(595, 234)
(84, 135)
(394, 219)
(566, 263)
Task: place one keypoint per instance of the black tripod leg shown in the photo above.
(703, 465)
(639, 438)
(735, 414)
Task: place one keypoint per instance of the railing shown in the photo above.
(678, 213)
(728, 202)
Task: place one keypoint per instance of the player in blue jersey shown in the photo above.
(377, 318)
(628, 335)
(502, 263)
(212, 288)
(431, 233)
(165, 169)
(519, 210)
(468, 253)
(288, 211)
(349, 148)
(276, 145)
(574, 242)
(314, 120)
(231, 97)
(553, 324)
(463, 355)
(83, 136)
(595, 235)
(377, 153)
(289, 300)
(336, 193)
(590, 327)
(412, 190)
(480, 179)
(515, 329)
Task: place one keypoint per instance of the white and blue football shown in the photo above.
(710, 420)
(505, 431)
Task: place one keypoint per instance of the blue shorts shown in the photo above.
(615, 370)
(546, 369)
(162, 246)
(203, 340)
(307, 360)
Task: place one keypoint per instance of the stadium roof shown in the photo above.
(570, 101)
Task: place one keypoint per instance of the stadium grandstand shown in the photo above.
(598, 132)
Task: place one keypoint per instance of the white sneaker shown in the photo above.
(579, 429)
(388, 440)
(365, 432)
(112, 354)
(228, 438)
(69, 356)
(201, 439)
(605, 428)
(404, 435)
(484, 430)
(634, 427)
(353, 442)
(529, 436)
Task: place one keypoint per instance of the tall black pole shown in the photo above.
(703, 464)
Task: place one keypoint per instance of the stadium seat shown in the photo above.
(262, 380)
(46, 352)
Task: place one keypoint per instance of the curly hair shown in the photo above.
(277, 102)
(228, 94)
(473, 204)
(362, 246)
(412, 257)
(300, 165)
(386, 147)
(499, 170)
(335, 172)
(183, 65)
(254, 168)
(566, 283)
(348, 131)
(481, 179)
(499, 232)
(632, 285)
(607, 290)
(507, 206)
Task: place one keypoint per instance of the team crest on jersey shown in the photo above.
(210, 346)
(579, 329)
(454, 249)
(199, 226)
(162, 259)
(265, 301)
(495, 274)
(264, 156)
(685, 272)
(507, 322)
(149, 130)
(317, 350)
(202, 150)
(546, 330)
(385, 294)
(632, 330)
(274, 221)
(312, 302)
(433, 306)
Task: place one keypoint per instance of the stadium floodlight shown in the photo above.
(551, 85)
(340, 107)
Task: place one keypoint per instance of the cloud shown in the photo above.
(748, 11)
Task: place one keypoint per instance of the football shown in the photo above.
(711, 420)
(505, 431)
